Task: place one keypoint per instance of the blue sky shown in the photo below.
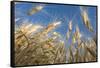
(51, 12)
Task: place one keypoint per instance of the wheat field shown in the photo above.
(37, 44)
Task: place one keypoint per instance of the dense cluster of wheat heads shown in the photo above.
(84, 52)
(38, 48)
